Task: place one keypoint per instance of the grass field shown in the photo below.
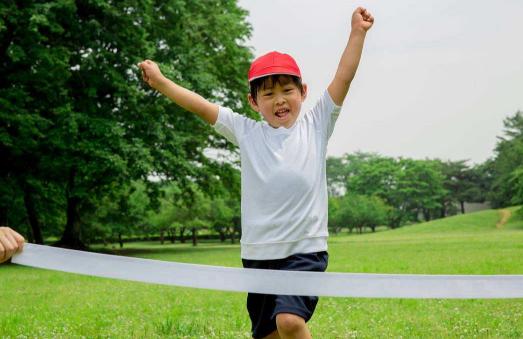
(40, 303)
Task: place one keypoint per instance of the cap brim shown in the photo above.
(275, 71)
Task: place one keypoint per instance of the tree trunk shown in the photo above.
(31, 215)
(162, 237)
(222, 236)
(237, 227)
(182, 238)
(194, 235)
(462, 203)
(426, 214)
(71, 236)
(29, 234)
(443, 213)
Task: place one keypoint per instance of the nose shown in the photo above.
(280, 100)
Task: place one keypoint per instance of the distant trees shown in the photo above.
(354, 211)
(463, 184)
(430, 189)
(407, 189)
(172, 216)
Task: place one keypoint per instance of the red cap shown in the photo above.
(273, 63)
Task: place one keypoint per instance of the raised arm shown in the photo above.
(185, 98)
(362, 21)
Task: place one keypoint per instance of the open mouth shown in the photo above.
(282, 113)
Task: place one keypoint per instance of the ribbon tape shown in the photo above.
(272, 281)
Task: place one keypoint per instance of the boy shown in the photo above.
(284, 192)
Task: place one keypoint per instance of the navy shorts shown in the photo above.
(263, 308)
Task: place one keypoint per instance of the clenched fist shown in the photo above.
(362, 19)
(151, 73)
(10, 243)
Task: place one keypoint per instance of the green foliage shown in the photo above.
(76, 120)
(357, 211)
(394, 181)
(420, 187)
(507, 165)
(412, 188)
(516, 180)
(179, 211)
(120, 213)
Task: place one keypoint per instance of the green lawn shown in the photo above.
(40, 303)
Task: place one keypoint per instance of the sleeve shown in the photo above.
(325, 113)
(232, 125)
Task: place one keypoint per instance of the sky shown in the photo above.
(436, 78)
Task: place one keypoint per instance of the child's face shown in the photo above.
(279, 104)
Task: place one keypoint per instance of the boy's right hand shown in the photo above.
(151, 73)
(10, 243)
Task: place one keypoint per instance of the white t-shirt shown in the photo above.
(283, 181)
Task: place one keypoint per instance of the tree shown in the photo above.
(375, 175)
(516, 180)
(73, 114)
(462, 184)
(420, 187)
(335, 223)
(222, 217)
(507, 164)
(336, 176)
(409, 186)
(358, 211)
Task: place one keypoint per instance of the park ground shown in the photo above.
(49, 304)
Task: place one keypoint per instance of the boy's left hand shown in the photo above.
(362, 19)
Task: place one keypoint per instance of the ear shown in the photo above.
(253, 103)
(304, 93)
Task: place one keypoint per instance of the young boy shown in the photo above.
(284, 191)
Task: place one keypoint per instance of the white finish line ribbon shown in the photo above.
(272, 281)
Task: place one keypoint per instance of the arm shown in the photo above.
(10, 242)
(185, 98)
(362, 21)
